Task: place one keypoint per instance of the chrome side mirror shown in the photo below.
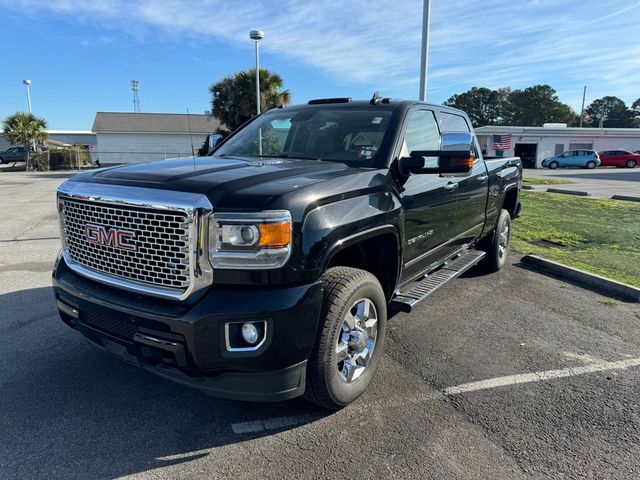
(214, 141)
(455, 157)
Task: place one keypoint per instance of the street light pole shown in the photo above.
(256, 36)
(27, 84)
(424, 58)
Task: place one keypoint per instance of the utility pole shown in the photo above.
(584, 94)
(424, 57)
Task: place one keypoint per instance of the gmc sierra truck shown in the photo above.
(267, 269)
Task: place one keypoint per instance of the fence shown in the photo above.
(104, 158)
(77, 158)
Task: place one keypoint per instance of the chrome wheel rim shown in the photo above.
(503, 241)
(357, 340)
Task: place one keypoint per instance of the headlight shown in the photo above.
(250, 240)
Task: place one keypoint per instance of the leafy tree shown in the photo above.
(234, 97)
(25, 129)
(611, 111)
(535, 106)
(635, 111)
(484, 106)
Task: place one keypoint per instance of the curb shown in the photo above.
(569, 192)
(626, 198)
(601, 285)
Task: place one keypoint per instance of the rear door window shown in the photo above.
(454, 123)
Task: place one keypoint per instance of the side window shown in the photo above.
(454, 123)
(422, 133)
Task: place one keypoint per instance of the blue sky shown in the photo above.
(82, 54)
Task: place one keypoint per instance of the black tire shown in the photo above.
(1, 161)
(496, 255)
(631, 163)
(591, 165)
(554, 165)
(343, 287)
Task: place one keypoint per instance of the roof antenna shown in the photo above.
(193, 153)
(376, 99)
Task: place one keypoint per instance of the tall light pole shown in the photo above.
(584, 94)
(424, 57)
(27, 84)
(256, 36)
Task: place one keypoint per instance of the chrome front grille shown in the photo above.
(160, 242)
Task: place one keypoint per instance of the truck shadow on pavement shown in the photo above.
(70, 410)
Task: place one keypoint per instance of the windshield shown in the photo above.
(351, 136)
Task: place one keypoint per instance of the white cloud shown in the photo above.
(377, 43)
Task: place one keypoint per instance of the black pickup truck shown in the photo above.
(267, 269)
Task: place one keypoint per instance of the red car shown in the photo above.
(619, 158)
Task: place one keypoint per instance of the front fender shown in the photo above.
(332, 227)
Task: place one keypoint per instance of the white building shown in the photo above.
(534, 144)
(143, 137)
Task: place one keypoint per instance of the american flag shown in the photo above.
(501, 142)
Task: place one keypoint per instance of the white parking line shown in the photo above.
(270, 424)
(540, 376)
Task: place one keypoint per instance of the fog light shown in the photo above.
(250, 333)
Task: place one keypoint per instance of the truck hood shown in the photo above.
(233, 182)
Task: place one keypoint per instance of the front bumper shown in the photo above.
(185, 342)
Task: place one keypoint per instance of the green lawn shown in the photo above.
(545, 181)
(599, 236)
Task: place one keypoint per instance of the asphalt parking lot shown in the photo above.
(600, 183)
(508, 376)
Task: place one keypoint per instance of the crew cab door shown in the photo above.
(472, 189)
(429, 200)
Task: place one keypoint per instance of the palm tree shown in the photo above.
(234, 97)
(25, 129)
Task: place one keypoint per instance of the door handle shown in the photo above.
(483, 178)
(451, 186)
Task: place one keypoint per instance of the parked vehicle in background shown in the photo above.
(13, 154)
(265, 270)
(619, 158)
(573, 158)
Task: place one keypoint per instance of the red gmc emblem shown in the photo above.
(122, 239)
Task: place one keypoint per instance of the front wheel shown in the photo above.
(630, 163)
(591, 165)
(349, 344)
(497, 246)
(553, 165)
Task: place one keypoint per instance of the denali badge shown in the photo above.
(121, 239)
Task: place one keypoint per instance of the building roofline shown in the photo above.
(156, 113)
(575, 131)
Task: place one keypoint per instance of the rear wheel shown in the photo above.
(553, 165)
(351, 337)
(631, 163)
(497, 246)
(591, 165)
